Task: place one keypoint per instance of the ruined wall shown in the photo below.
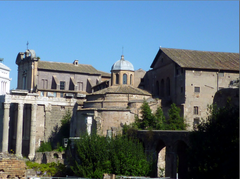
(48, 157)
(12, 167)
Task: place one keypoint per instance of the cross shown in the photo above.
(122, 50)
(27, 44)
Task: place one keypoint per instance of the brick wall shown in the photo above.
(11, 167)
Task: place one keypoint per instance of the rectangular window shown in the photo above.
(195, 110)
(197, 89)
(61, 95)
(42, 93)
(221, 74)
(80, 86)
(62, 85)
(55, 94)
(196, 121)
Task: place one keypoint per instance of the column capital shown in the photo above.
(6, 105)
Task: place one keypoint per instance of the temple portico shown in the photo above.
(27, 120)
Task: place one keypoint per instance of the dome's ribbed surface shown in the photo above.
(122, 65)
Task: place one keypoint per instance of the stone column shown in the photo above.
(32, 132)
(19, 130)
(5, 127)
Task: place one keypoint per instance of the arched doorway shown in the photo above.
(160, 163)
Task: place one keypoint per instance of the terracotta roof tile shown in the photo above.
(122, 89)
(201, 59)
(67, 67)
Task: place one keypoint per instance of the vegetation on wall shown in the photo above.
(97, 155)
(158, 121)
(214, 146)
(49, 169)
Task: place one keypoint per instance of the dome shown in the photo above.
(122, 65)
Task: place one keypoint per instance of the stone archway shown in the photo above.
(176, 143)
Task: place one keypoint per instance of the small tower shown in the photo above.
(122, 72)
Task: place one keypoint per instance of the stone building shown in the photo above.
(4, 78)
(190, 78)
(32, 113)
(107, 110)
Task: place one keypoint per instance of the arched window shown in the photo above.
(162, 88)
(130, 79)
(157, 88)
(168, 87)
(124, 78)
(117, 78)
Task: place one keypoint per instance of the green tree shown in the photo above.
(175, 121)
(121, 156)
(157, 121)
(147, 116)
(160, 121)
(214, 146)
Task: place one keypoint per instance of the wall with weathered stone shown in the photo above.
(209, 82)
(48, 157)
(12, 167)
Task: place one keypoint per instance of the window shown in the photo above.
(130, 79)
(61, 95)
(124, 78)
(117, 78)
(195, 110)
(80, 86)
(45, 83)
(55, 94)
(197, 89)
(157, 88)
(62, 85)
(221, 74)
(168, 87)
(196, 121)
(41, 93)
(162, 88)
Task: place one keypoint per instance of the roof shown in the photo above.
(4, 67)
(67, 67)
(122, 89)
(104, 73)
(122, 65)
(201, 59)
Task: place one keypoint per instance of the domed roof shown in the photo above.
(122, 65)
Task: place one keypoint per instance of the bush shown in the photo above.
(45, 147)
(99, 155)
(51, 169)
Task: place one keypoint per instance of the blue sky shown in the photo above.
(94, 32)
